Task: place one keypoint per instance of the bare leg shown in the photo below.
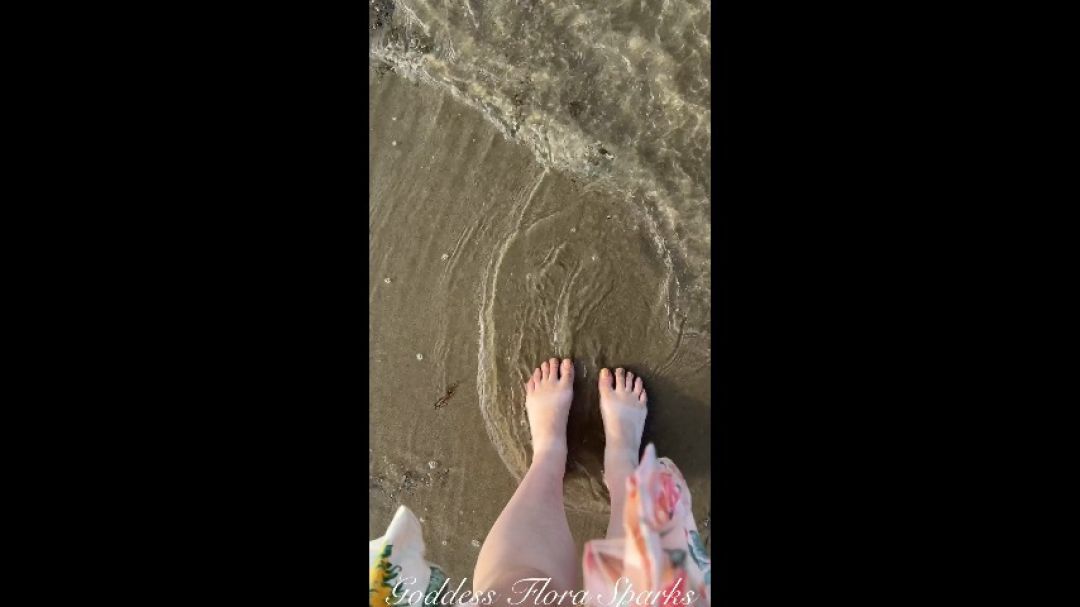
(531, 538)
(622, 405)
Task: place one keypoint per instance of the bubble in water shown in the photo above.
(419, 356)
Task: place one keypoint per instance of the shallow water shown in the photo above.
(616, 92)
(539, 187)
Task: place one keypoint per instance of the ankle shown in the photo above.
(550, 452)
(618, 466)
(620, 458)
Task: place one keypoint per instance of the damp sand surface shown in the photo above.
(483, 262)
(539, 186)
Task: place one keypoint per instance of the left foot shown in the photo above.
(547, 401)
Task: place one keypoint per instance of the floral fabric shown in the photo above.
(396, 559)
(661, 560)
(661, 555)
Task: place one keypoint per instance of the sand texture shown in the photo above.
(483, 262)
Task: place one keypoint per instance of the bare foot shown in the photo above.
(622, 405)
(547, 401)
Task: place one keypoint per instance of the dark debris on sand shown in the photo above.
(445, 398)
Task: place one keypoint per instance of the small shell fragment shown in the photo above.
(433, 464)
(475, 543)
(419, 356)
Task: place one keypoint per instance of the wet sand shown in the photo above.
(483, 263)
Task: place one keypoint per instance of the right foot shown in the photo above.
(548, 394)
(622, 405)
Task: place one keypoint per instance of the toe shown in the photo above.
(629, 380)
(638, 387)
(643, 398)
(566, 373)
(553, 364)
(537, 376)
(529, 387)
(620, 378)
(605, 380)
(544, 371)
